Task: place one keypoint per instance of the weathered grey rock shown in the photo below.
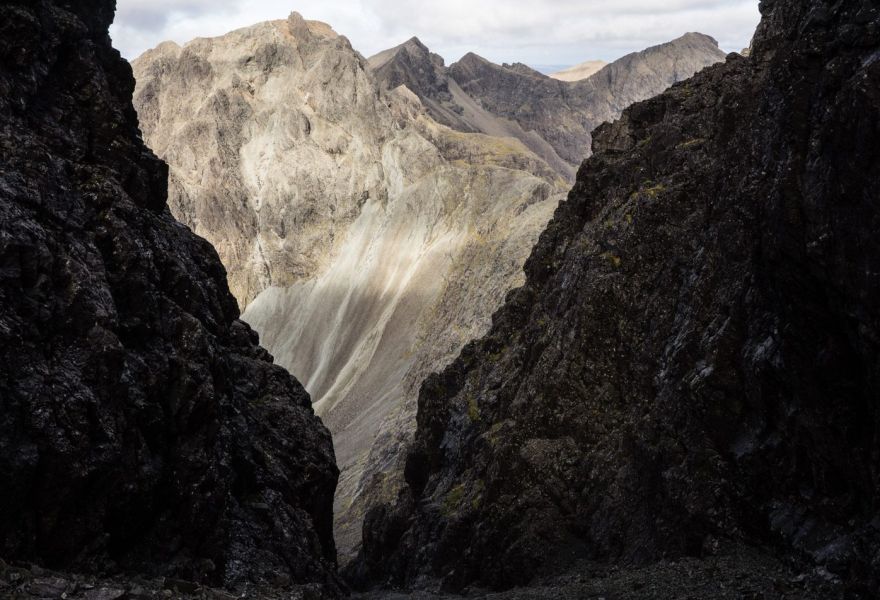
(142, 427)
(695, 357)
(412, 64)
(553, 118)
(368, 242)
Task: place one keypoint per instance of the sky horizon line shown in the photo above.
(583, 31)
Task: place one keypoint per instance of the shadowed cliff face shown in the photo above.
(552, 118)
(141, 425)
(693, 360)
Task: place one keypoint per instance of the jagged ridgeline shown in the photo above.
(141, 425)
(368, 240)
(552, 118)
(693, 361)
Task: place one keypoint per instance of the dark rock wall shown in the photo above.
(694, 358)
(141, 425)
(424, 72)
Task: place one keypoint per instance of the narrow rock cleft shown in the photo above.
(367, 242)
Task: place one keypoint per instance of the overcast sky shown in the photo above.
(535, 32)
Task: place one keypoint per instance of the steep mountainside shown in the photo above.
(412, 64)
(141, 425)
(368, 243)
(693, 361)
(552, 118)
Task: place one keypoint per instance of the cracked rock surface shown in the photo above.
(367, 240)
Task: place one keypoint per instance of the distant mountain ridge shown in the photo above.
(552, 118)
(580, 71)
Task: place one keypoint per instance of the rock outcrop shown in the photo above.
(424, 73)
(693, 361)
(552, 118)
(368, 242)
(142, 427)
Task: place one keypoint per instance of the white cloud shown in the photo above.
(536, 32)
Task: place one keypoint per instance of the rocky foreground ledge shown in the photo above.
(739, 574)
(21, 581)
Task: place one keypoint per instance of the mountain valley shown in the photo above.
(365, 240)
(279, 321)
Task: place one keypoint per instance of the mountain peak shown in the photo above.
(473, 58)
(138, 415)
(696, 36)
(305, 29)
(470, 64)
(414, 42)
(653, 451)
(413, 48)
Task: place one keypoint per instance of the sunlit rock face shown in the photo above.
(368, 235)
(367, 242)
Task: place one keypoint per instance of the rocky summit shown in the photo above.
(553, 118)
(142, 427)
(692, 364)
